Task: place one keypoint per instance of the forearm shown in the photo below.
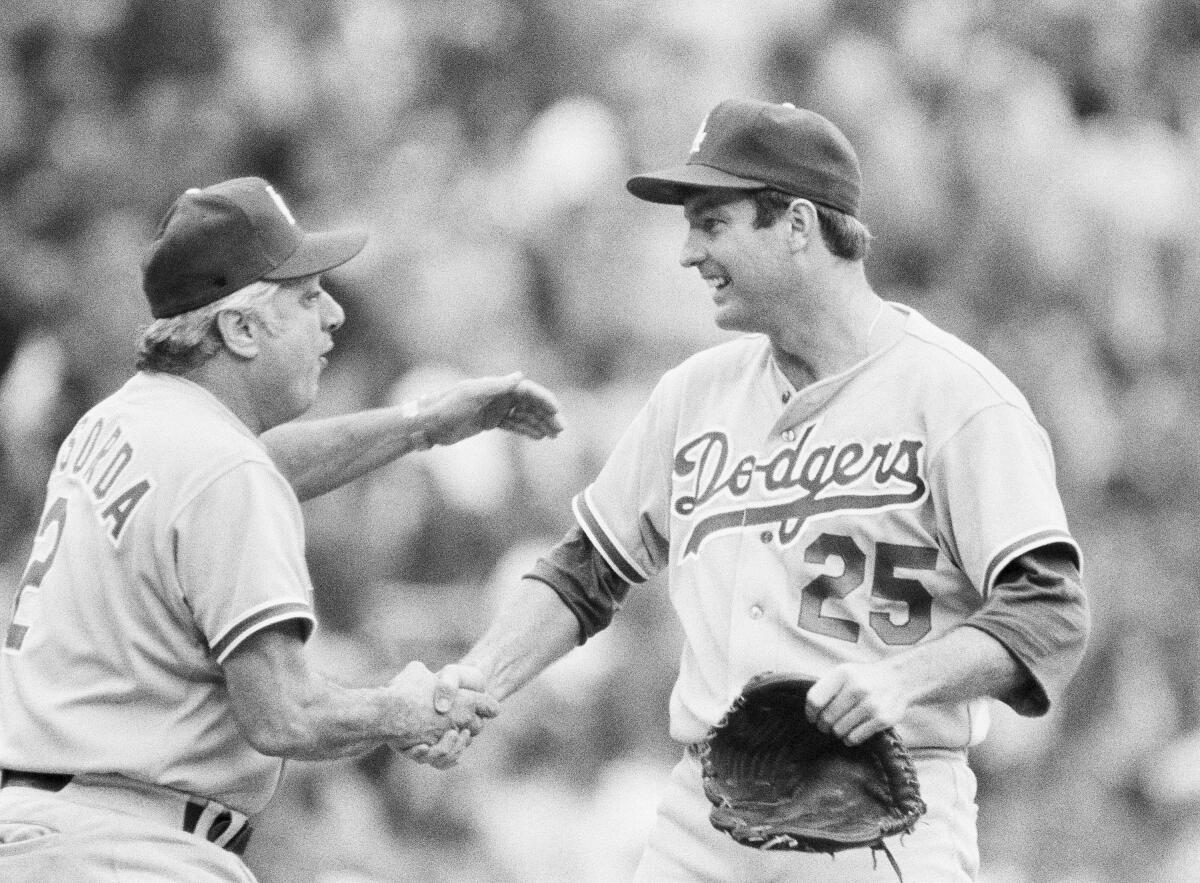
(317, 456)
(326, 723)
(533, 630)
(285, 709)
(964, 664)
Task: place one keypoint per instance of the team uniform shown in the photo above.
(169, 537)
(843, 522)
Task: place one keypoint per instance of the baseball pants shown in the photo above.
(48, 836)
(683, 846)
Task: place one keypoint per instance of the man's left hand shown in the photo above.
(513, 403)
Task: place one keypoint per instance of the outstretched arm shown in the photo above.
(317, 456)
(285, 709)
(532, 631)
(568, 596)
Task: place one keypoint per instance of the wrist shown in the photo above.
(417, 414)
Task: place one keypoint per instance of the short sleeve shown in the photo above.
(240, 557)
(995, 493)
(624, 512)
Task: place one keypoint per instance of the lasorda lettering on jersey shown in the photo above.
(98, 465)
(844, 476)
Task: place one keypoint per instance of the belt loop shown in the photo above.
(217, 824)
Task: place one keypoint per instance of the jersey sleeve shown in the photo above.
(995, 494)
(1038, 610)
(240, 557)
(583, 581)
(624, 512)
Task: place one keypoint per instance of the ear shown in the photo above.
(239, 331)
(804, 223)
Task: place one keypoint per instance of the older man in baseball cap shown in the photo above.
(154, 678)
(843, 491)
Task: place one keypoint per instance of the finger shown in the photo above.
(473, 705)
(854, 718)
(486, 705)
(445, 690)
(467, 718)
(533, 398)
(536, 426)
(525, 428)
(432, 755)
(457, 742)
(842, 706)
(417, 752)
(469, 677)
(864, 731)
(820, 694)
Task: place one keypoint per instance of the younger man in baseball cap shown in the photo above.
(844, 491)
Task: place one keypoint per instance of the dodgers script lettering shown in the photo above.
(832, 477)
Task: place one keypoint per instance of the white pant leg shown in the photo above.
(45, 837)
(683, 845)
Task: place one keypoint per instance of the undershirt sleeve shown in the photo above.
(583, 580)
(1038, 610)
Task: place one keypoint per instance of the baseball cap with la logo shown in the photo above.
(752, 145)
(217, 239)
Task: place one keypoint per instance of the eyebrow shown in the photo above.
(704, 205)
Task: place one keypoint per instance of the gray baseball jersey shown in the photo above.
(841, 523)
(167, 539)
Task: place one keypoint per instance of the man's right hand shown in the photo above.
(445, 753)
(460, 710)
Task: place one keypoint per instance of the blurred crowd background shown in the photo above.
(1031, 177)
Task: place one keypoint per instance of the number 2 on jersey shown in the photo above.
(885, 584)
(55, 518)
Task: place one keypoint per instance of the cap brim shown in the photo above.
(319, 252)
(674, 186)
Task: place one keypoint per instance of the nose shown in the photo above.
(332, 313)
(692, 253)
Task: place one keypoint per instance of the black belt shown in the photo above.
(41, 781)
(192, 813)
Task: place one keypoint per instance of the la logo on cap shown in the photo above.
(278, 200)
(700, 135)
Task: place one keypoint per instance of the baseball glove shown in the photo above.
(777, 782)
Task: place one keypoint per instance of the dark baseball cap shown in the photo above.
(752, 145)
(215, 240)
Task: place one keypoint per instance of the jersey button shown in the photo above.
(788, 435)
(756, 612)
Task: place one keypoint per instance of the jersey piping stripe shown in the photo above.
(621, 563)
(1042, 538)
(257, 621)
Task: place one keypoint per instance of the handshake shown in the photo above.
(435, 716)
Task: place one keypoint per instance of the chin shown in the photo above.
(730, 321)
